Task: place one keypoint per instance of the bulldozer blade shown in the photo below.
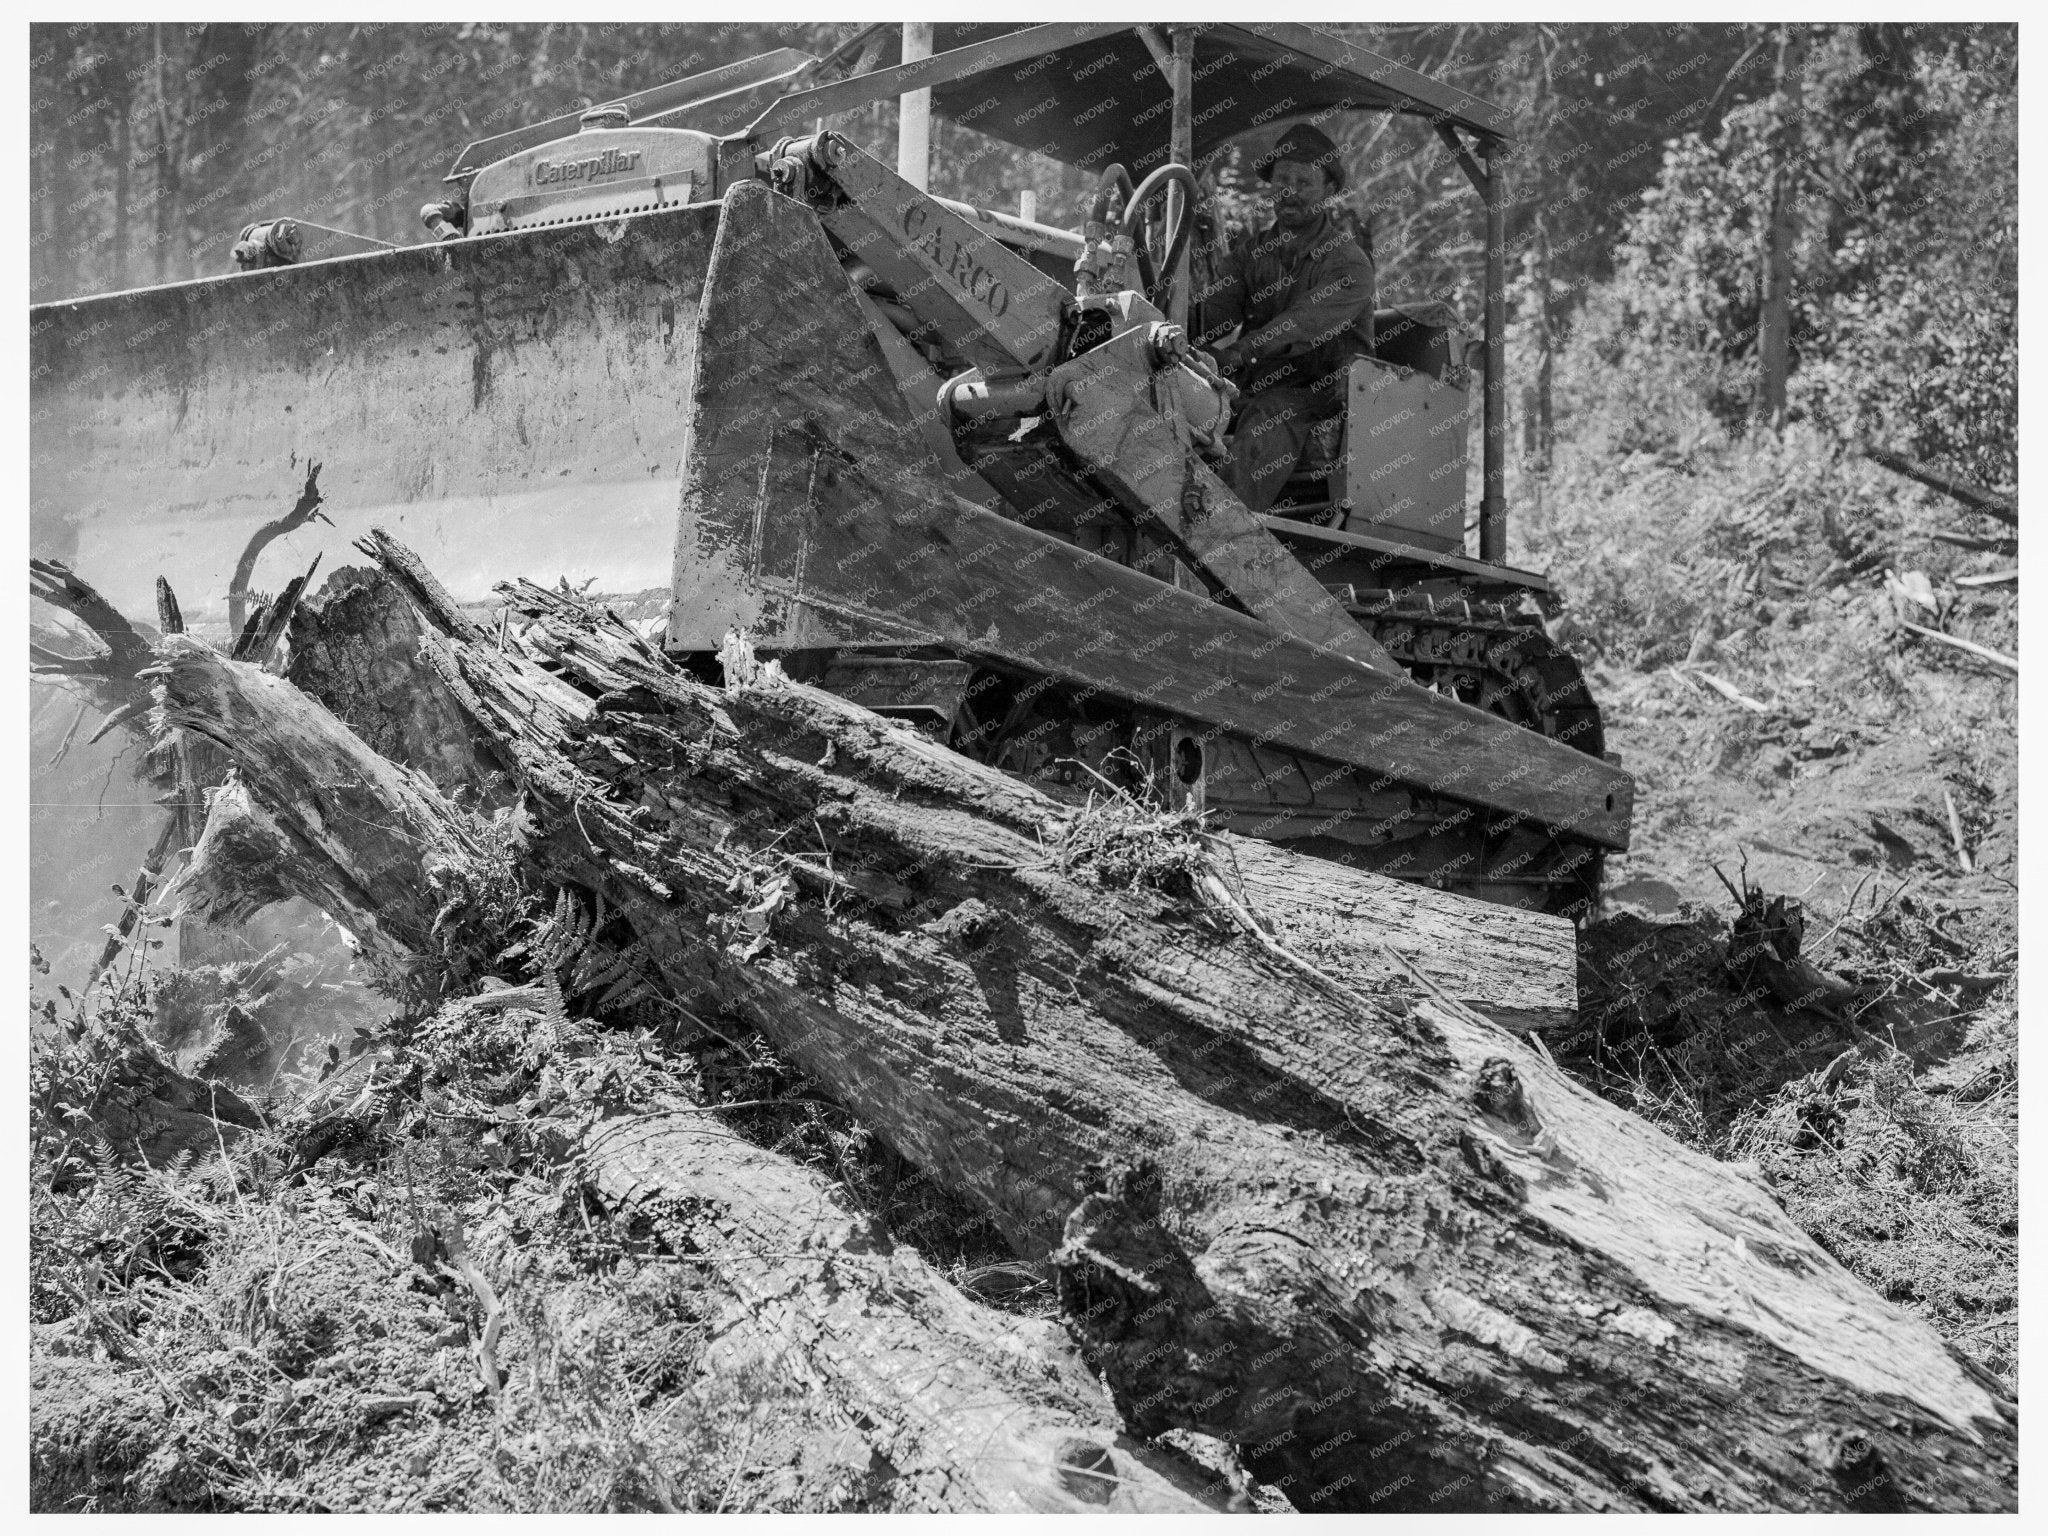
(814, 515)
(512, 405)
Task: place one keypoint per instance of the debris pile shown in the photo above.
(1278, 1174)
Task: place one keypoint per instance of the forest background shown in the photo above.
(1663, 176)
(1714, 228)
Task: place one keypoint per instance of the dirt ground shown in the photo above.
(1887, 1123)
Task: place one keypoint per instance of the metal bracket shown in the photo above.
(1161, 54)
(1474, 173)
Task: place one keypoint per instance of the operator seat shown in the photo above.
(1410, 339)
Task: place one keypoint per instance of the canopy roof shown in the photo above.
(1087, 93)
(1103, 98)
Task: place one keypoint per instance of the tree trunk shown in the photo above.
(354, 649)
(1351, 1227)
(45, 268)
(376, 133)
(1774, 326)
(167, 198)
(122, 149)
(1546, 342)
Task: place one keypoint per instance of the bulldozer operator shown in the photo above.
(1300, 292)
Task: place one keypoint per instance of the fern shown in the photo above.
(606, 968)
(561, 938)
(629, 992)
(565, 949)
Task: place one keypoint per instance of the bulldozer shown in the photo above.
(716, 364)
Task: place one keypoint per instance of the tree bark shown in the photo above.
(321, 816)
(1774, 326)
(1544, 193)
(354, 649)
(1546, 343)
(971, 1408)
(1352, 1227)
(1519, 969)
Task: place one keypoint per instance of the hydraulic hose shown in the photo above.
(1114, 178)
(1147, 278)
(1113, 184)
(1178, 241)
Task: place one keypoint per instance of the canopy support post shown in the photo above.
(1183, 153)
(1493, 512)
(914, 108)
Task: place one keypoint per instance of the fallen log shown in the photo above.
(1383, 1247)
(968, 1407)
(1975, 497)
(963, 1414)
(353, 649)
(1518, 968)
(144, 1108)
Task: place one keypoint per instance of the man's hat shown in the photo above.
(1311, 146)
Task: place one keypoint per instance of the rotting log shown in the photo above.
(371, 843)
(1518, 968)
(969, 1408)
(143, 1107)
(1368, 1237)
(352, 648)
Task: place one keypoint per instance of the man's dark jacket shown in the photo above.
(1306, 297)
